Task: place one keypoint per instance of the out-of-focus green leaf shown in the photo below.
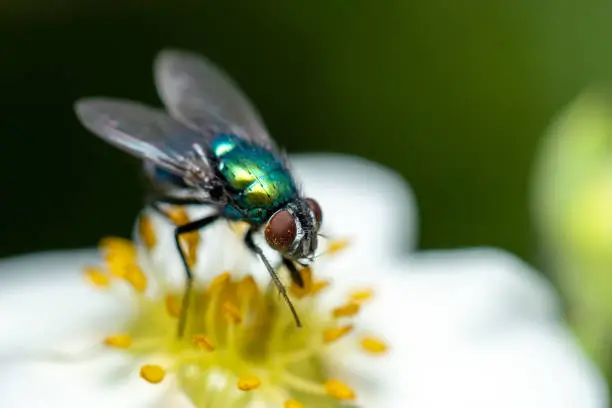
(572, 194)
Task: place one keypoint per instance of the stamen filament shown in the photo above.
(294, 357)
(292, 403)
(302, 384)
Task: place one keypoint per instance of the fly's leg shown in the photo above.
(248, 240)
(296, 276)
(178, 231)
(192, 226)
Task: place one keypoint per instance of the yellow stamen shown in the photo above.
(300, 292)
(173, 306)
(362, 295)
(337, 245)
(119, 341)
(373, 345)
(203, 341)
(218, 283)
(291, 403)
(247, 289)
(97, 277)
(335, 333)
(231, 312)
(237, 327)
(146, 231)
(248, 382)
(117, 264)
(348, 310)
(135, 277)
(318, 286)
(189, 243)
(118, 245)
(339, 390)
(178, 215)
(152, 373)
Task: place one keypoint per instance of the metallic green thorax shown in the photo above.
(256, 177)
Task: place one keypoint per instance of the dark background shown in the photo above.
(453, 95)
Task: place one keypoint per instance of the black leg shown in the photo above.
(248, 240)
(178, 231)
(296, 276)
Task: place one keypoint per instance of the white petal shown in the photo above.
(530, 366)
(108, 381)
(361, 200)
(51, 325)
(45, 302)
(474, 329)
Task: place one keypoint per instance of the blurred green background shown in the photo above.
(452, 95)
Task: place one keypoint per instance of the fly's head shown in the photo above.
(292, 230)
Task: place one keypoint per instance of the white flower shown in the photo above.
(472, 328)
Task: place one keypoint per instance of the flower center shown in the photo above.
(241, 342)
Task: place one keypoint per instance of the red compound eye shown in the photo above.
(316, 209)
(281, 230)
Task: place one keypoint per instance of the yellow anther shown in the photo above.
(203, 341)
(247, 289)
(291, 403)
(146, 231)
(135, 277)
(178, 215)
(118, 246)
(119, 341)
(117, 265)
(361, 295)
(248, 382)
(189, 245)
(231, 312)
(335, 333)
(218, 283)
(300, 292)
(339, 390)
(152, 373)
(173, 306)
(337, 245)
(373, 345)
(318, 286)
(350, 309)
(97, 277)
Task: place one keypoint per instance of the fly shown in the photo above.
(210, 147)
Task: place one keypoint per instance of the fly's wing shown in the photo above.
(146, 133)
(201, 95)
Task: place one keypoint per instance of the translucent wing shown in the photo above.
(146, 133)
(200, 94)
